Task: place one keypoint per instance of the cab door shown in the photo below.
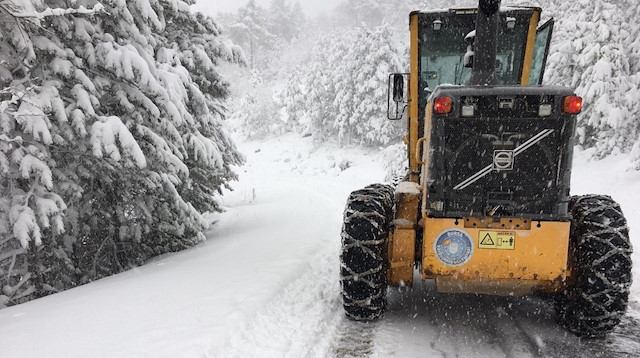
(540, 52)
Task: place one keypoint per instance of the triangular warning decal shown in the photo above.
(487, 240)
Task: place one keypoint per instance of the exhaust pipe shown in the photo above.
(486, 44)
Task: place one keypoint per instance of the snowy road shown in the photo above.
(422, 323)
(305, 319)
(265, 285)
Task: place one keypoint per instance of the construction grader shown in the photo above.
(485, 207)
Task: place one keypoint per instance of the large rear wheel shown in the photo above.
(596, 299)
(363, 260)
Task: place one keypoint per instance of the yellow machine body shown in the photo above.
(415, 122)
(509, 256)
(504, 260)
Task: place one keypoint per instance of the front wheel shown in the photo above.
(363, 260)
(597, 297)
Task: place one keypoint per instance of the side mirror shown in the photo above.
(468, 56)
(398, 88)
(396, 95)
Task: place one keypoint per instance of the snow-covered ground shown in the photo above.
(265, 284)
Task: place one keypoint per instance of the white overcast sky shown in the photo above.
(212, 7)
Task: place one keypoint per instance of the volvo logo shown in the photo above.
(503, 160)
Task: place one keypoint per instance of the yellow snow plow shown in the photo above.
(485, 207)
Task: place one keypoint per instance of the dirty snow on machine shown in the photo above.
(486, 207)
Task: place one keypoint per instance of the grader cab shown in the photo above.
(485, 207)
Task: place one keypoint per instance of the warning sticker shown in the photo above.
(497, 240)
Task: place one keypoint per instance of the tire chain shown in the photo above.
(369, 208)
(603, 250)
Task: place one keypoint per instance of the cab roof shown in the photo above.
(473, 10)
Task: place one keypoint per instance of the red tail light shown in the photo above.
(572, 105)
(443, 105)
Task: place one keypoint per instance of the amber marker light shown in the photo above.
(572, 105)
(443, 105)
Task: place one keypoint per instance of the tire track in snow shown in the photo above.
(354, 339)
(537, 319)
(513, 339)
(425, 323)
(623, 342)
(422, 322)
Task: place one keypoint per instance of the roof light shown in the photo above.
(443, 105)
(544, 110)
(572, 105)
(437, 25)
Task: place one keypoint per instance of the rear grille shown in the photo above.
(502, 167)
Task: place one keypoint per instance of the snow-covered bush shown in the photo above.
(255, 116)
(112, 143)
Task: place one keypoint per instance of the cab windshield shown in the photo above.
(442, 53)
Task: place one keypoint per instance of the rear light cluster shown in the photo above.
(572, 105)
(444, 105)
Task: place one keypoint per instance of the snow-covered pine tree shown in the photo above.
(291, 100)
(632, 25)
(341, 70)
(298, 19)
(632, 45)
(122, 111)
(200, 50)
(250, 29)
(373, 13)
(361, 76)
(255, 114)
(274, 47)
(32, 114)
(589, 54)
(360, 12)
(343, 88)
(319, 82)
(280, 22)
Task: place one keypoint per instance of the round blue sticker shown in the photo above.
(454, 247)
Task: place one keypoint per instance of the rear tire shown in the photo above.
(597, 297)
(363, 260)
